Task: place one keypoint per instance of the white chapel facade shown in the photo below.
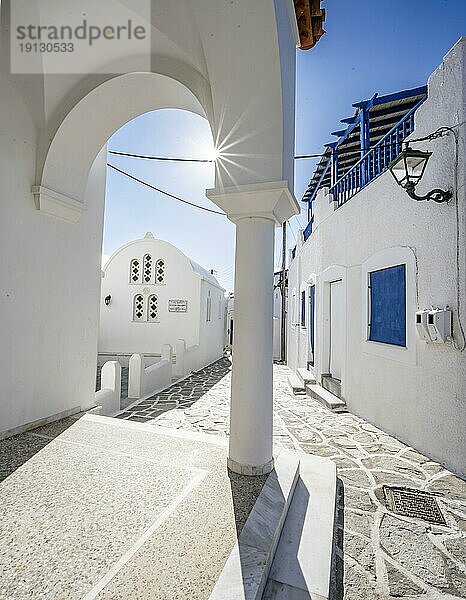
(152, 294)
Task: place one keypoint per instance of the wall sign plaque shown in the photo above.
(179, 306)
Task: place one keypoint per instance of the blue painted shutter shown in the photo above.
(388, 306)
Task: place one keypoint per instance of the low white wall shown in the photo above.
(108, 397)
(417, 394)
(277, 333)
(146, 380)
(190, 359)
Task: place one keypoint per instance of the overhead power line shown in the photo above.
(188, 160)
(167, 158)
(152, 187)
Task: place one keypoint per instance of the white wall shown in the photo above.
(119, 334)
(417, 394)
(211, 333)
(48, 319)
(277, 323)
(51, 130)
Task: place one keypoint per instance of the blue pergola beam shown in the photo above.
(361, 117)
(349, 120)
(419, 91)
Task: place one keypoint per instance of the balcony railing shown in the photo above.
(374, 162)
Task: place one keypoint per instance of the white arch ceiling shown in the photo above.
(92, 121)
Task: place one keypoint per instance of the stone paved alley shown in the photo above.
(379, 555)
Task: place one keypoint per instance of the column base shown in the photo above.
(251, 470)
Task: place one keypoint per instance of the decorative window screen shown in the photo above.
(152, 308)
(134, 271)
(147, 274)
(387, 306)
(160, 271)
(138, 307)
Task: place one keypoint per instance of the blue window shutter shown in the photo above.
(303, 309)
(388, 306)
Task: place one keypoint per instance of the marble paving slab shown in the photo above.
(115, 509)
(245, 573)
(304, 554)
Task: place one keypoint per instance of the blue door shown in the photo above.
(312, 307)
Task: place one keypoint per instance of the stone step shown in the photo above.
(247, 568)
(307, 376)
(295, 384)
(301, 567)
(323, 396)
(332, 385)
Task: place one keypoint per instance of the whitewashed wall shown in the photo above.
(277, 323)
(418, 394)
(52, 128)
(183, 280)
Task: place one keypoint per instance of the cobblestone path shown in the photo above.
(379, 555)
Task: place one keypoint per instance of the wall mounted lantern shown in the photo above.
(408, 169)
(107, 300)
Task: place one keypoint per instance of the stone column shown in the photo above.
(256, 209)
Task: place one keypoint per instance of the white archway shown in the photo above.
(235, 66)
(87, 128)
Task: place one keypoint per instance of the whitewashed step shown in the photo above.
(301, 568)
(295, 384)
(246, 570)
(323, 396)
(306, 376)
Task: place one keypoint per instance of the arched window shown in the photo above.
(147, 273)
(134, 271)
(138, 307)
(160, 271)
(152, 308)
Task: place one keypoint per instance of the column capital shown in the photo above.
(272, 200)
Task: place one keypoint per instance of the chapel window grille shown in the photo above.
(152, 308)
(160, 271)
(147, 275)
(138, 307)
(134, 271)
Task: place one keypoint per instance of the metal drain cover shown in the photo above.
(413, 503)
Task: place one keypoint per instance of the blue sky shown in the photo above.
(370, 46)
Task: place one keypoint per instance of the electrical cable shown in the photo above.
(440, 132)
(291, 229)
(167, 158)
(195, 160)
(153, 187)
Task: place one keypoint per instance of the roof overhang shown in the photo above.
(309, 17)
